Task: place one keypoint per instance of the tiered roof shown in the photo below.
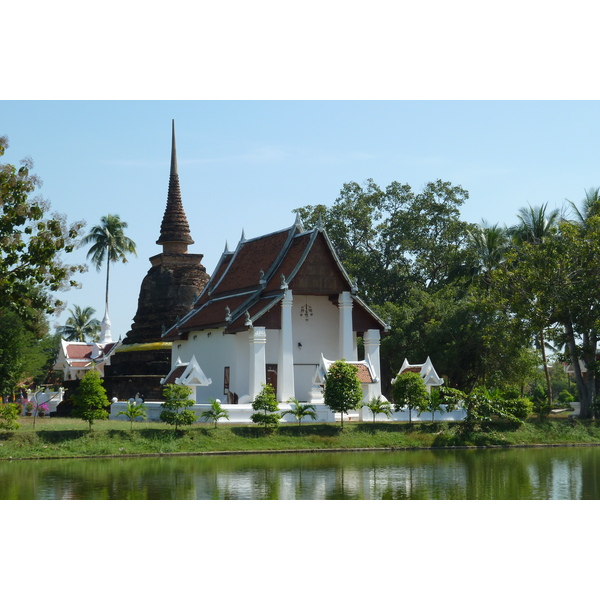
(248, 282)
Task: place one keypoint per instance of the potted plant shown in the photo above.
(28, 406)
(42, 410)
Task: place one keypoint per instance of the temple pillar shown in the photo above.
(258, 363)
(285, 376)
(346, 335)
(372, 340)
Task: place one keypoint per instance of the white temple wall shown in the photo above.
(211, 349)
(317, 331)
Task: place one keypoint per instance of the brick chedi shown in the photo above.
(168, 291)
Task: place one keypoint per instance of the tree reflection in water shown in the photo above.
(502, 474)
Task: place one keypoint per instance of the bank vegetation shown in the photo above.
(65, 437)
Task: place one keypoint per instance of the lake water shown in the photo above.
(498, 474)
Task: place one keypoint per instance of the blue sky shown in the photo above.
(245, 165)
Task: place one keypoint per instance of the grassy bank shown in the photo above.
(56, 437)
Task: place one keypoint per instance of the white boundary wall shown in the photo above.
(238, 413)
(242, 413)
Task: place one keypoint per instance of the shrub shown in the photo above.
(539, 398)
(520, 408)
(266, 407)
(409, 391)
(565, 398)
(9, 416)
(91, 401)
(175, 408)
(342, 388)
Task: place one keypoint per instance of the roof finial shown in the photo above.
(173, 152)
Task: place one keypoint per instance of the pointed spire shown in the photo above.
(105, 329)
(174, 230)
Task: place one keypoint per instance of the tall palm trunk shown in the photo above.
(107, 278)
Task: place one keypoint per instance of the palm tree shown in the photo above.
(490, 243)
(109, 243)
(535, 224)
(535, 227)
(300, 411)
(134, 410)
(379, 406)
(80, 325)
(590, 206)
(215, 412)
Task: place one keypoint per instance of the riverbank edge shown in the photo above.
(304, 451)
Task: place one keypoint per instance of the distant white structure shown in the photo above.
(425, 370)
(76, 358)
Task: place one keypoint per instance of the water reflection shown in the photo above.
(544, 473)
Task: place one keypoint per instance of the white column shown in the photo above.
(258, 366)
(346, 344)
(372, 339)
(285, 374)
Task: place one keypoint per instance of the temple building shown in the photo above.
(276, 309)
(168, 291)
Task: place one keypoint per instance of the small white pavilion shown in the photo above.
(425, 370)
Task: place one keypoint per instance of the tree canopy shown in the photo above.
(32, 245)
(81, 326)
(483, 301)
(109, 243)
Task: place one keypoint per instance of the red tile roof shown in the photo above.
(364, 375)
(175, 374)
(304, 260)
(78, 351)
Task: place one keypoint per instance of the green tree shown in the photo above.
(395, 239)
(427, 272)
(487, 245)
(552, 285)
(25, 358)
(80, 326)
(175, 409)
(300, 410)
(90, 399)
(265, 407)
(343, 391)
(215, 413)
(536, 226)
(13, 340)
(409, 391)
(134, 411)
(379, 406)
(32, 245)
(109, 243)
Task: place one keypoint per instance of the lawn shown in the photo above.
(66, 437)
